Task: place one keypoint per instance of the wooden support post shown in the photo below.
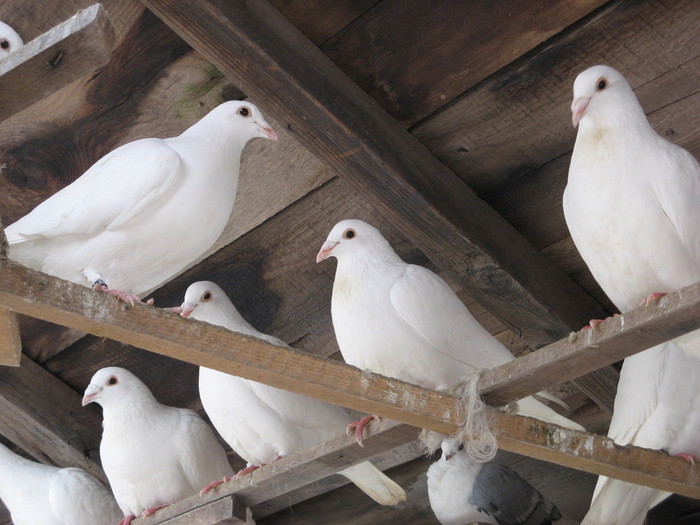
(52, 299)
(10, 342)
(265, 55)
(42, 415)
(78, 46)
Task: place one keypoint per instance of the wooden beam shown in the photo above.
(78, 46)
(52, 299)
(223, 511)
(264, 54)
(42, 415)
(616, 338)
(10, 342)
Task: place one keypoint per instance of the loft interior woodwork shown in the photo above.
(492, 106)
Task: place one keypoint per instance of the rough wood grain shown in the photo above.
(160, 331)
(224, 511)
(519, 118)
(400, 53)
(43, 416)
(460, 233)
(72, 49)
(10, 341)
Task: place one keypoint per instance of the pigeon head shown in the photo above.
(10, 41)
(598, 92)
(451, 447)
(353, 237)
(206, 301)
(240, 116)
(111, 384)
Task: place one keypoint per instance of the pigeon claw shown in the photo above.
(690, 458)
(153, 510)
(126, 520)
(653, 298)
(247, 470)
(358, 428)
(214, 484)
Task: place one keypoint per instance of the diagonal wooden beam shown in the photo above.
(267, 57)
(33, 293)
(78, 46)
(42, 415)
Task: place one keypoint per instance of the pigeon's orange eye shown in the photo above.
(206, 296)
(112, 381)
(5, 43)
(349, 233)
(602, 84)
(244, 111)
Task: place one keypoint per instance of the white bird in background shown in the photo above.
(631, 204)
(262, 423)
(10, 41)
(146, 210)
(38, 494)
(153, 454)
(462, 491)
(403, 321)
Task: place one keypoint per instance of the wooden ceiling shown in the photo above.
(445, 124)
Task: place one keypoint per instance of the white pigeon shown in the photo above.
(403, 321)
(146, 210)
(462, 491)
(38, 494)
(10, 41)
(153, 454)
(262, 423)
(631, 205)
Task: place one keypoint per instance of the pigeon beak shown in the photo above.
(449, 456)
(578, 108)
(186, 309)
(326, 250)
(91, 393)
(267, 130)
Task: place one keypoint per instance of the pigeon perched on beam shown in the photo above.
(145, 211)
(462, 491)
(402, 320)
(262, 423)
(153, 454)
(38, 494)
(631, 205)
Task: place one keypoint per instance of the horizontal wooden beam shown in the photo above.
(264, 54)
(78, 46)
(52, 299)
(42, 415)
(616, 338)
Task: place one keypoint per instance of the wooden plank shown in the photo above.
(10, 342)
(224, 511)
(414, 56)
(671, 316)
(160, 331)
(42, 415)
(72, 49)
(340, 123)
(519, 118)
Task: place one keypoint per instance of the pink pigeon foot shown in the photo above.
(153, 510)
(593, 323)
(248, 470)
(690, 458)
(124, 297)
(214, 484)
(127, 520)
(653, 298)
(359, 427)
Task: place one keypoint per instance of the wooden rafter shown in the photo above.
(78, 46)
(52, 299)
(251, 43)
